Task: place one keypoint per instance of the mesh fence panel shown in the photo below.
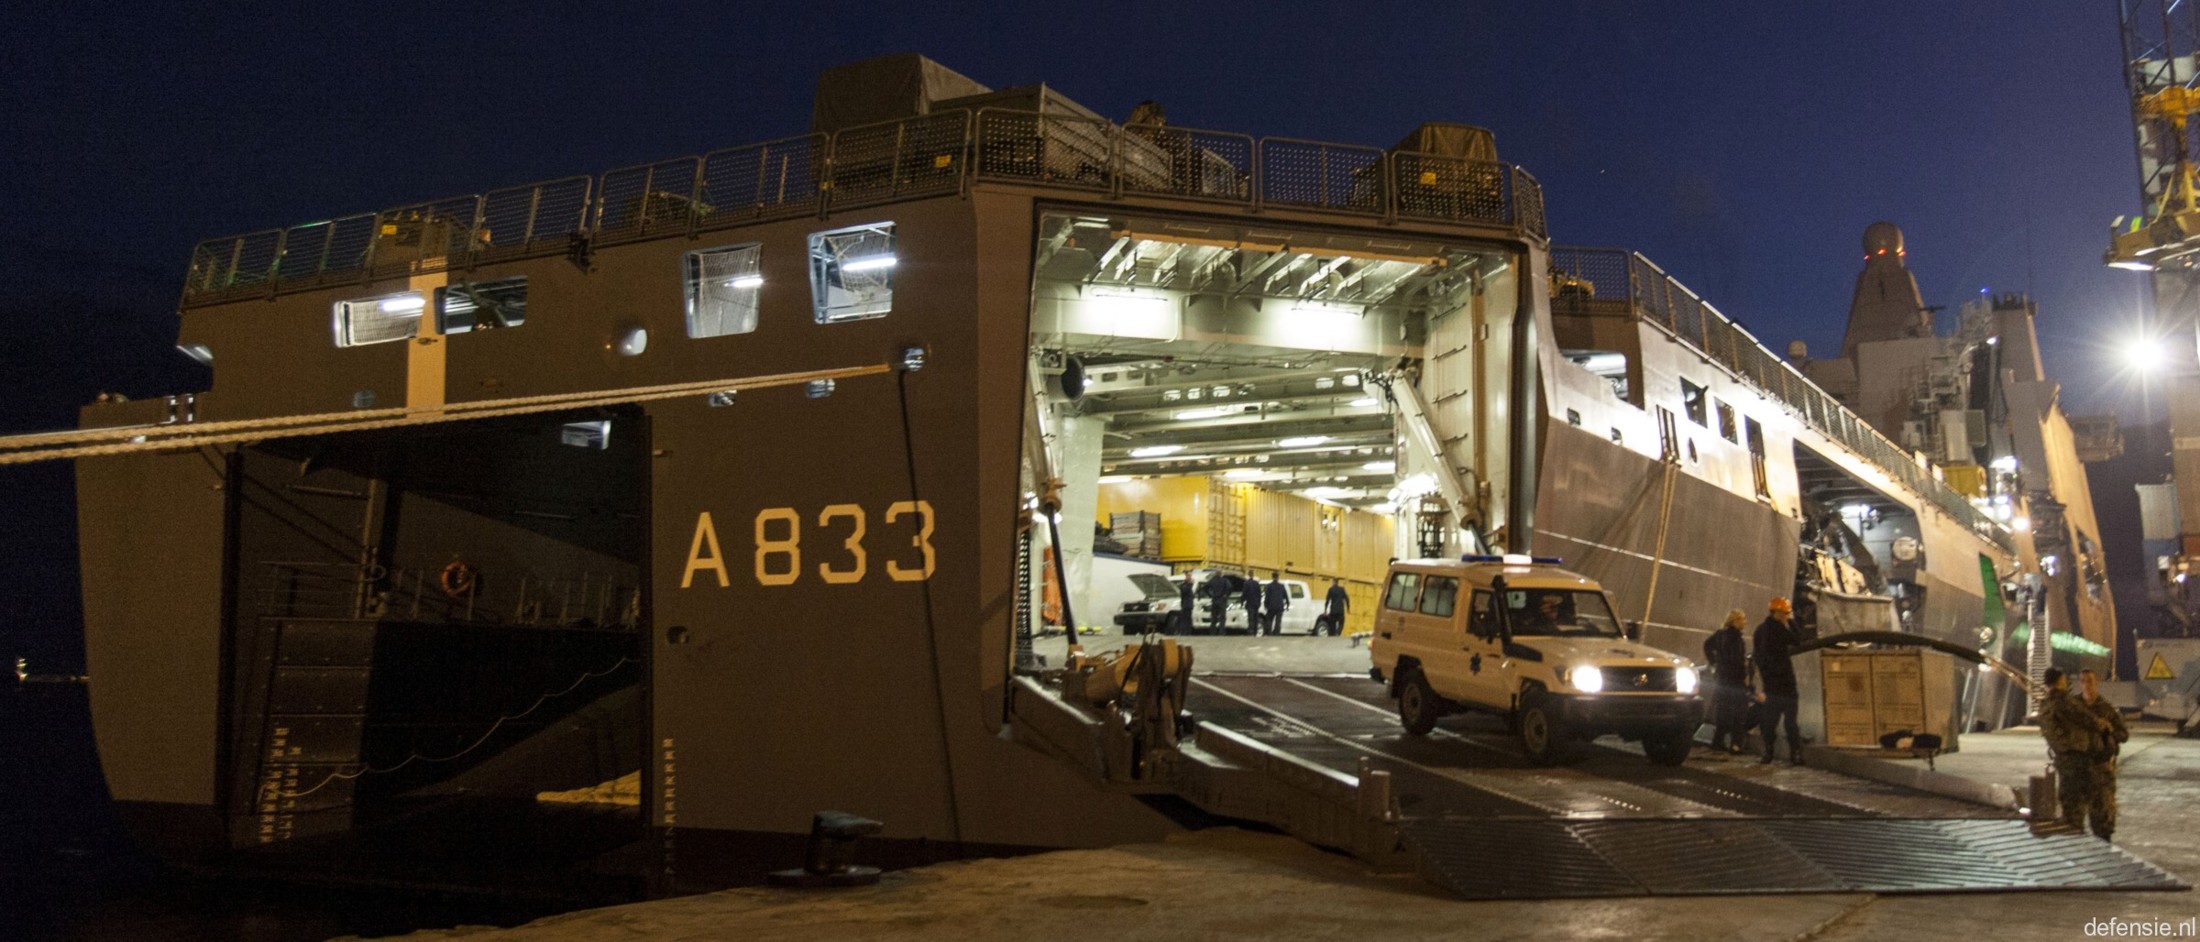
(1054, 149)
(1324, 176)
(1434, 186)
(345, 249)
(763, 181)
(898, 159)
(1528, 204)
(1191, 163)
(209, 270)
(636, 202)
(518, 216)
(252, 258)
(424, 236)
(1591, 282)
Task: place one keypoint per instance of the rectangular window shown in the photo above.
(1695, 402)
(378, 320)
(722, 289)
(595, 434)
(1405, 589)
(1573, 418)
(852, 272)
(1727, 429)
(1438, 597)
(481, 305)
(1756, 435)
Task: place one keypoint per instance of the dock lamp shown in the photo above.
(2144, 354)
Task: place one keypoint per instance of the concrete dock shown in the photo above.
(1231, 884)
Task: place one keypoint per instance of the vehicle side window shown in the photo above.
(1405, 589)
(1481, 616)
(1297, 591)
(1439, 596)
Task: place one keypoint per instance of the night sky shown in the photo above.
(1742, 146)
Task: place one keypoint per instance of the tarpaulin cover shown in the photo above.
(887, 88)
(1450, 140)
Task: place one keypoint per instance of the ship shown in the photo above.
(734, 487)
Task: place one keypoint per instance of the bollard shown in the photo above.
(2046, 807)
(832, 835)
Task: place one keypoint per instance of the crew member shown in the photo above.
(1545, 619)
(1334, 607)
(1252, 604)
(2102, 811)
(1771, 653)
(1278, 598)
(1728, 658)
(1184, 605)
(1218, 601)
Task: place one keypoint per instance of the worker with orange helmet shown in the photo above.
(1772, 650)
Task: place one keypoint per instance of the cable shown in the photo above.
(931, 628)
(46, 446)
(365, 769)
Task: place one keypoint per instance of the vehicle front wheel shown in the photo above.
(1543, 734)
(1418, 704)
(1668, 748)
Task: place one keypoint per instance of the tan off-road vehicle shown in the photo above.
(1521, 638)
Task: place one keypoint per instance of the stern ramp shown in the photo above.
(1322, 758)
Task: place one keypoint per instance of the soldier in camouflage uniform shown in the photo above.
(2083, 733)
(2102, 809)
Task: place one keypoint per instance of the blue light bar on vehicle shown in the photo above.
(1513, 558)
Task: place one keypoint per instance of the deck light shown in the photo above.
(2143, 354)
(1211, 412)
(750, 281)
(1155, 451)
(1303, 441)
(868, 263)
(404, 304)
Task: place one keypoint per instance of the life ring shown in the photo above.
(458, 580)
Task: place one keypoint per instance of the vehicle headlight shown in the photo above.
(1586, 679)
(1685, 680)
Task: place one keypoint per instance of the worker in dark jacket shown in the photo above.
(1278, 598)
(1218, 601)
(1771, 653)
(1252, 604)
(1334, 607)
(1726, 656)
(1184, 605)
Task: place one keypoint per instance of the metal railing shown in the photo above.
(1615, 282)
(344, 590)
(814, 174)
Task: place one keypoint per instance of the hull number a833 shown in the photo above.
(840, 556)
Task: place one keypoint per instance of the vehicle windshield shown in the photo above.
(1562, 612)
